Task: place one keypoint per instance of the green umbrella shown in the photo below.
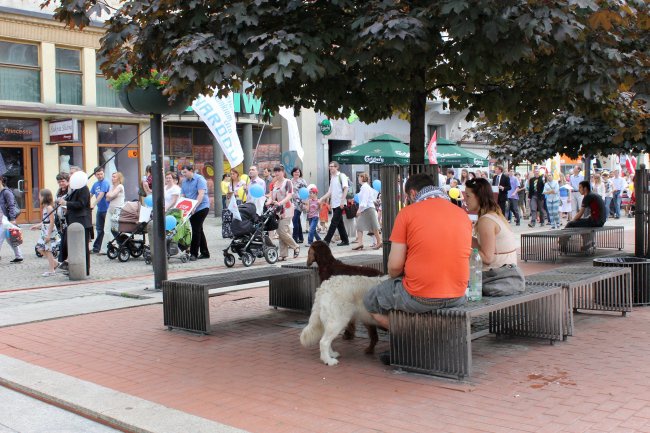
(384, 149)
(456, 156)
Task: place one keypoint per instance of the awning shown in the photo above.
(455, 156)
(384, 149)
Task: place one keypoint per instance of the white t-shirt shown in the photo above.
(337, 183)
(170, 192)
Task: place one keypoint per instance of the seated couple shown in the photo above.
(429, 258)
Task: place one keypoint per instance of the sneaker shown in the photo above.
(204, 256)
(17, 260)
(63, 266)
(193, 258)
(48, 274)
(531, 225)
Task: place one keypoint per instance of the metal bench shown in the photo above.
(297, 293)
(549, 245)
(588, 288)
(440, 343)
(185, 300)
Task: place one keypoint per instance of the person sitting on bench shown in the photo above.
(591, 214)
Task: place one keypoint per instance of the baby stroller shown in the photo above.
(251, 236)
(177, 240)
(129, 227)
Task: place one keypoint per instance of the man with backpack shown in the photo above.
(337, 193)
(10, 209)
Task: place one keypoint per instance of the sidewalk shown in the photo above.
(125, 368)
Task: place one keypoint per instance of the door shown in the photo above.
(20, 167)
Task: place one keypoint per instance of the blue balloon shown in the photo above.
(170, 222)
(256, 191)
(376, 185)
(148, 201)
(356, 198)
(303, 193)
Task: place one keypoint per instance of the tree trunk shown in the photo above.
(417, 112)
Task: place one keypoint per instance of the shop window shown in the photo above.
(20, 74)
(106, 96)
(72, 153)
(112, 137)
(69, 87)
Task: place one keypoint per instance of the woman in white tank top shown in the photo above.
(495, 241)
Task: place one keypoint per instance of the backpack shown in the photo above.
(351, 210)
(9, 199)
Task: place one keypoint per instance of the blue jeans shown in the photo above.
(313, 223)
(99, 231)
(617, 203)
(297, 228)
(608, 202)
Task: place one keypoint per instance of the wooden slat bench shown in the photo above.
(298, 292)
(440, 343)
(589, 288)
(549, 245)
(185, 300)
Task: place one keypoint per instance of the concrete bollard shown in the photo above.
(76, 251)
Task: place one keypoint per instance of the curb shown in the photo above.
(112, 408)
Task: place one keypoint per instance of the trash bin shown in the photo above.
(640, 269)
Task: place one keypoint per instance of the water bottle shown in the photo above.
(475, 289)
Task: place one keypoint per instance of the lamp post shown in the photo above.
(158, 191)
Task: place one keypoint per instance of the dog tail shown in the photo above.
(314, 329)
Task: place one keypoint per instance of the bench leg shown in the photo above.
(186, 307)
(437, 343)
(540, 318)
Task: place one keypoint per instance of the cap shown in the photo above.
(313, 189)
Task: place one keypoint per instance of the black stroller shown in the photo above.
(251, 236)
(129, 233)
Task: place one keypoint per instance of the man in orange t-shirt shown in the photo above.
(429, 257)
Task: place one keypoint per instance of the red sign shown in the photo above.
(187, 205)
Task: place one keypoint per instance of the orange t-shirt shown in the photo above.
(438, 237)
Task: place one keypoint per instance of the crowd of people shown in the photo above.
(543, 198)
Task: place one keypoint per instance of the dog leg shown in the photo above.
(327, 354)
(374, 338)
(350, 331)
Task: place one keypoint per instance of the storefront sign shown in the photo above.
(21, 130)
(64, 131)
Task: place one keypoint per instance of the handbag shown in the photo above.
(503, 281)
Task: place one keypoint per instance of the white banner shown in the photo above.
(294, 133)
(219, 115)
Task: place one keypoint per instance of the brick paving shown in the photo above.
(253, 374)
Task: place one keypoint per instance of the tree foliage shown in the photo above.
(515, 60)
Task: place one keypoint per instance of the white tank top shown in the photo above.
(505, 244)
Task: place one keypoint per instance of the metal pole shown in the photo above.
(159, 243)
(588, 168)
(640, 214)
(217, 163)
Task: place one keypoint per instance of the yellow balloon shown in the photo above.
(454, 193)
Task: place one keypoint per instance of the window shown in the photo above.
(111, 139)
(68, 77)
(72, 153)
(20, 75)
(106, 96)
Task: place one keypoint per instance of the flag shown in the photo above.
(232, 207)
(294, 133)
(432, 148)
(630, 164)
(219, 115)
